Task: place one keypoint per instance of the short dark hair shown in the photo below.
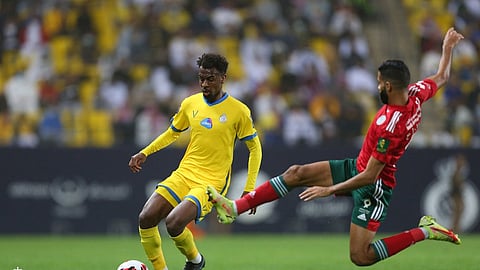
(211, 60)
(396, 72)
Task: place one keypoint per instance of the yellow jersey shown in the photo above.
(214, 129)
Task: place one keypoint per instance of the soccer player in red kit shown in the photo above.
(369, 178)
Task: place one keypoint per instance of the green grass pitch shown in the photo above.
(239, 251)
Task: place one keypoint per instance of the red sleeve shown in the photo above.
(423, 90)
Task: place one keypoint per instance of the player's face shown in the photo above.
(382, 89)
(211, 82)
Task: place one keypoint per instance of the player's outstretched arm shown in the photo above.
(450, 40)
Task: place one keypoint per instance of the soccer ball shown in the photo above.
(132, 265)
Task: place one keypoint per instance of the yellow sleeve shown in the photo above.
(162, 141)
(254, 161)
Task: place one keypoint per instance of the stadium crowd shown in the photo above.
(104, 73)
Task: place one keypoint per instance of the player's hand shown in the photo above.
(136, 161)
(315, 192)
(253, 211)
(452, 37)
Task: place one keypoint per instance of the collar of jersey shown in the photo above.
(217, 101)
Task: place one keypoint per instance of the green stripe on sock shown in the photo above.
(380, 249)
(279, 186)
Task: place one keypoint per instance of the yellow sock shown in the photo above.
(152, 244)
(185, 244)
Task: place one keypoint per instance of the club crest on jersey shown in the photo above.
(207, 123)
(382, 145)
(223, 118)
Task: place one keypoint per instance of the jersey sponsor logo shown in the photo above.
(194, 113)
(382, 145)
(207, 123)
(223, 118)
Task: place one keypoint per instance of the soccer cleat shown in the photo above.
(225, 207)
(437, 231)
(195, 266)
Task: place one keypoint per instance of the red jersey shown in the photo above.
(392, 130)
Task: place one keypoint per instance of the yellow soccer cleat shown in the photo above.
(437, 231)
(226, 212)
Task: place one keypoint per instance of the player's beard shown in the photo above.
(383, 96)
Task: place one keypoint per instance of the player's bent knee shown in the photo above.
(295, 176)
(147, 220)
(174, 224)
(293, 172)
(361, 259)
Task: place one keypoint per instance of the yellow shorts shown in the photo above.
(177, 188)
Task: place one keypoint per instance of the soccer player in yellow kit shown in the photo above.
(216, 120)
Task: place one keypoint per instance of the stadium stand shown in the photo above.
(99, 71)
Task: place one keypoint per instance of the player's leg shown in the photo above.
(370, 208)
(176, 223)
(364, 252)
(193, 207)
(361, 251)
(317, 173)
(155, 209)
(370, 205)
(389, 246)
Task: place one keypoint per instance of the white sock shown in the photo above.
(197, 259)
(425, 232)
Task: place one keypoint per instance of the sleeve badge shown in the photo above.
(382, 145)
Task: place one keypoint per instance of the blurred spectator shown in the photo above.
(429, 62)
(7, 130)
(32, 34)
(226, 19)
(350, 122)
(462, 121)
(22, 95)
(149, 124)
(344, 19)
(26, 136)
(10, 33)
(317, 13)
(352, 48)
(430, 33)
(160, 81)
(299, 128)
(200, 22)
(325, 109)
(114, 96)
(180, 54)
(50, 129)
(361, 85)
(256, 53)
(268, 109)
(310, 69)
